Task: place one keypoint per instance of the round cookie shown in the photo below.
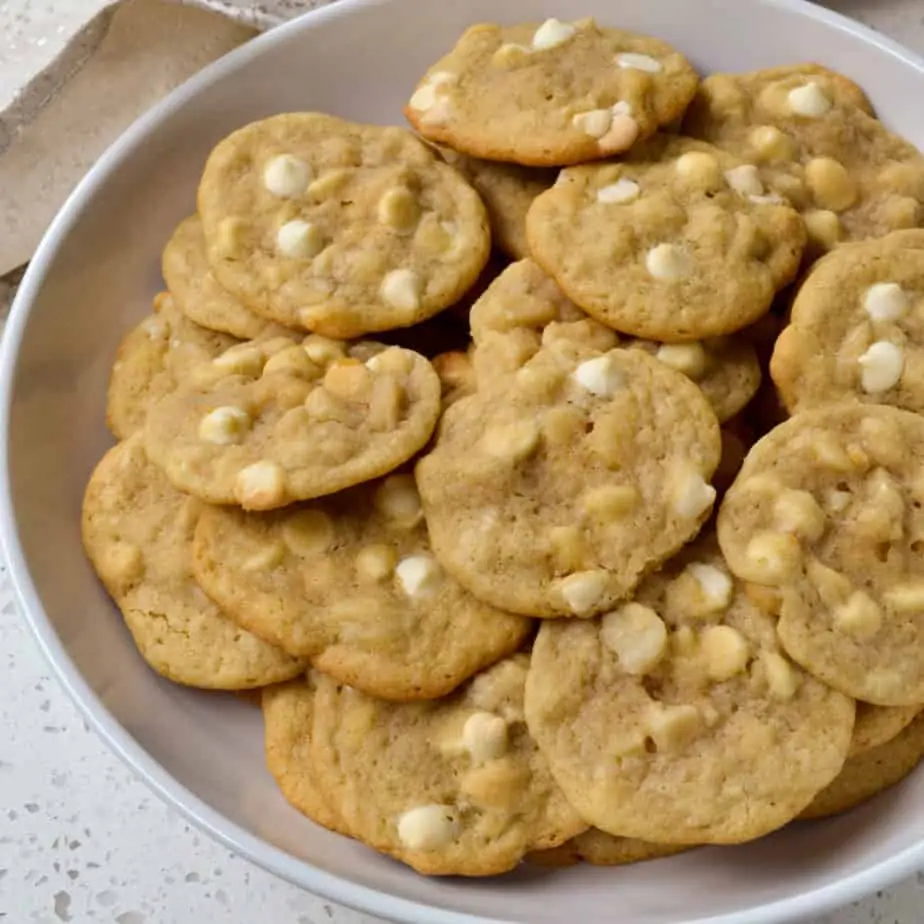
(507, 190)
(526, 304)
(153, 359)
(868, 774)
(274, 422)
(552, 93)
(601, 849)
(813, 139)
(828, 509)
(196, 292)
(676, 719)
(137, 532)
(288, 714)
(339, 228)
(349, 581)
(590, 472)
(877, 725)
(451, 787)
(669, 244)
(857, 329)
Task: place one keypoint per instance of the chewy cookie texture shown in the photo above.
(594, 556)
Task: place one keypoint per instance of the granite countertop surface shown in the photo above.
(66, 851)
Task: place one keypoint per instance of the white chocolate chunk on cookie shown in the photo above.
(688, 358)
(639, 62)
(691, 494)
(745, 180)
(622, 191)
(299, 240)
(397, 498)
(809, 100)
(376, 563)
(610, 502)
(700, 170)
(771, 557)
(260, 486)
(715, 584)
(881, 367)
(428, 827)
(224, 425)
(830, 184)
(782, 679)
(399, 209)
(512, 442)
(798, 512)
(418, 575)
(552, 33)
(484, 736)
(885, 301)
(600, 376)
(286, 176)
(905, 598)
(668, 263)
(672, 728)
(583, 590)
(860, 617)
(308, 532)
(726, 652)
(401, 289)
(636, 635)
(771, 144)
(594, 122)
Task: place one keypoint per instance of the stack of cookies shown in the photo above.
(454, 508)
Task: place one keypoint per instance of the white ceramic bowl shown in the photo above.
(94, 276)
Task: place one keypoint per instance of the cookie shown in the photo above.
(526, 304)
(196, 292)
(288, 712)
(137, 532)
(672, 243)
(809, 135)
(153, 359)
(877, 725)
(556, 500)
(868, 774)
(857, 329)
(451, 787)
(507, 190)
(601, 849)
(339, 228)
(552, 93)
(828, 509)
(456, 374)
(350, 581)
(281, 421)
(676, 718)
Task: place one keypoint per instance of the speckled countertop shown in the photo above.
(67, 853)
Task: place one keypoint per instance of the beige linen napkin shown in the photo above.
(116, 65)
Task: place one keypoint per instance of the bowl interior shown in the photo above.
(95, 276)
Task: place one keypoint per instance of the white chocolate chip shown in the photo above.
(600, 376)
(484, 736)
(398, 208)
(348, 379)
(418, 575)
(837, 501)
(623, 190)
(831, 185)
(809, 100)
(859, 617)
(688, 358)
(551, 33)
(885, 301)
(426, 95)
(299, 240)
(699, 169)
(745, 180)
(782, 679)
(240, 360)
(376, 563)
(611, 502)
(726, 652)
(260, 486)
(268, 558)
(397, 499)
(401, 289)
(799, 513)
(595, 122)
(771, 144)
(830, 454)
(511, 442)
(881, 367)
(691, 494)
(286, 176)
(224, 425)
(824, 227)
(308, 532)
(637, 635)
(583, 590)
(630, 59)
(905, 598)
(771, 558)
(439, 113)
(323, 350)
(510, 54)
(772, 199)
(328, 184)
(716, 585)
(672, 727)
(428, 827)
(668, 262)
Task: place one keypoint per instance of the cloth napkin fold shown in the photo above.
(113, 67)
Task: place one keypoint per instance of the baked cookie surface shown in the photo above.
(339, 228)
(552, 93)
(137, 531)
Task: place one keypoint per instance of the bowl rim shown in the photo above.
(270, 858)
